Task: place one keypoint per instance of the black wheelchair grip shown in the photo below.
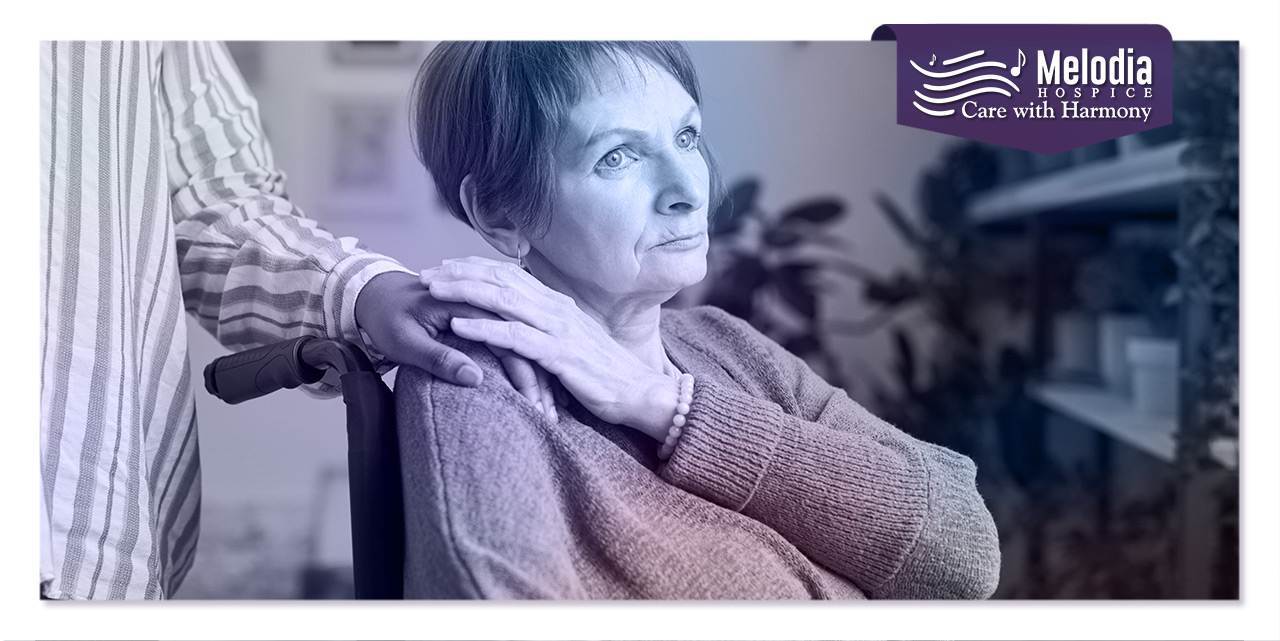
(257, 372)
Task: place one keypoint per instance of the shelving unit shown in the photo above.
(1139, 184)
(1115, 415)
(1110, 413)
(1144, 180)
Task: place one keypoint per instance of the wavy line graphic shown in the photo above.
(971, 54)
(962, 96)
(969, 81)
(962, 82)
(956, 72)
(931, 112)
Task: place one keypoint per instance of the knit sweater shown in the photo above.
(780, 487)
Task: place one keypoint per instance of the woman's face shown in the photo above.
(630, 215)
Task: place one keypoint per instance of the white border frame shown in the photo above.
(1253, 23)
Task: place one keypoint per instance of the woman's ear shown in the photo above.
(503, 235)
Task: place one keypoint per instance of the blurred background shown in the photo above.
(1069, 321)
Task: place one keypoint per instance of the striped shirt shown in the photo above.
(158, 192)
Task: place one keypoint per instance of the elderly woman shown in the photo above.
(684, 455)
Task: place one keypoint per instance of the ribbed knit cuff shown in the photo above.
(728, 442)
(957, 555)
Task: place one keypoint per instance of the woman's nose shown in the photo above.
(685, 188)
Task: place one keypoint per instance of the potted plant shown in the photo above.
(770, 270)
(1207, 93)
(1154, 362)
(1126, 287)
(1075, 344)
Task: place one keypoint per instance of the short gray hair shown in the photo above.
(494, 110)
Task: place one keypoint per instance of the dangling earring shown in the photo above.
(520, 257)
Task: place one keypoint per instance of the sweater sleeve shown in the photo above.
(899, 517)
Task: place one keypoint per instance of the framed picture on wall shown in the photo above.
(376, 52)
(361, 164)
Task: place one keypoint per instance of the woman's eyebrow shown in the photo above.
(635, 133)
(627, 131)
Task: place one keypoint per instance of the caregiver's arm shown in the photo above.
(900, 517)
(253, 268)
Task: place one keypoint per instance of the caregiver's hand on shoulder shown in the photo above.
(402, 320)
(549, 328)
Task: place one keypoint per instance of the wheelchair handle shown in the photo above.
(246, 375)
(257, 372)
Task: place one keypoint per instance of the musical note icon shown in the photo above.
(1017, 69)
(933, 59)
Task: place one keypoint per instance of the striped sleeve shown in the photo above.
(254, 268)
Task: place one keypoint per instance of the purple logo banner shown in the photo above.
(1041, 88)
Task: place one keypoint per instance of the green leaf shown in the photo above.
(737, 205)
(818, 211)
(781, 237)
(905, 364)
(891, 292)
(735, 288)
(898, 219)
(793, 283)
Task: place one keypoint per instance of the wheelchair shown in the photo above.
(373, 447)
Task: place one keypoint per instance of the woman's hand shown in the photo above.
(548, 328)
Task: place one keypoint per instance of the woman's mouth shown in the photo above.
(682, 242)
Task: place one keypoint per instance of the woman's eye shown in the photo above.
(688, 139)
(615, 160)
